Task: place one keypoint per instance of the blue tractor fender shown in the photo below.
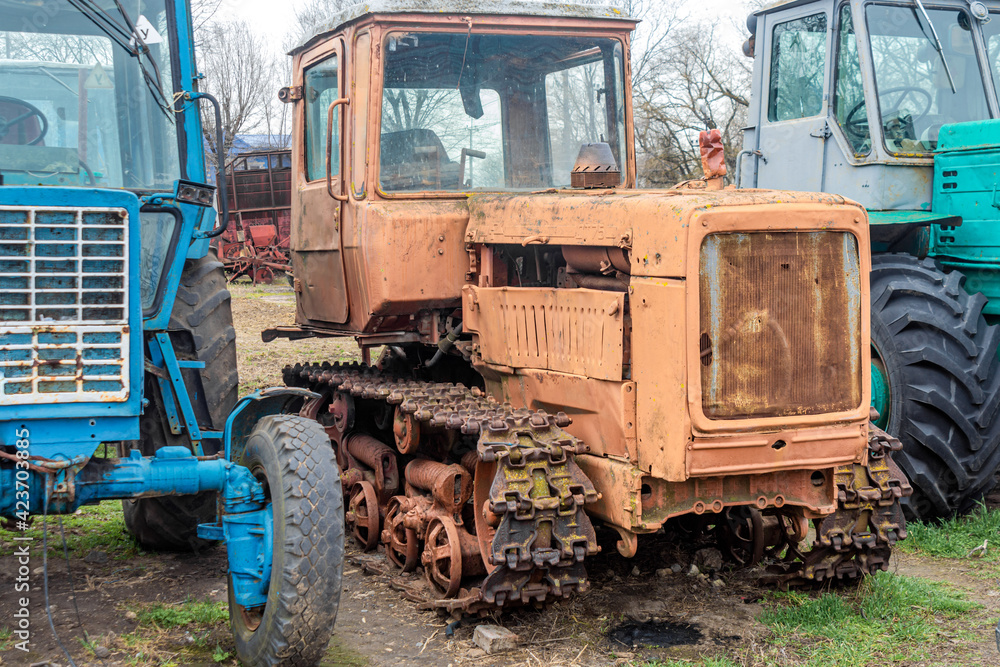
(251, 408)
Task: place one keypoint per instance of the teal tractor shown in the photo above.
(894, 104)
(117, 349)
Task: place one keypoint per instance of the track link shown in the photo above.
(856, 539)
(531, 526)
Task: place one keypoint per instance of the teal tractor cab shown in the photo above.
(116, 327)
(894, 104)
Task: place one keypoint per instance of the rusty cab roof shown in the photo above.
(460, 8)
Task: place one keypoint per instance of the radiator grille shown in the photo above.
(63, 304)
(780, 324)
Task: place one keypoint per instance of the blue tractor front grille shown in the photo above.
(63, 305)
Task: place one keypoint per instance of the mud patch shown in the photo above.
(655, 634)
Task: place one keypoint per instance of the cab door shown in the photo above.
(316, 234)
(792, 129)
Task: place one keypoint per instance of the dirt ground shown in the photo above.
(377, 627)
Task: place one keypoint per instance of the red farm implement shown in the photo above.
(256, 242)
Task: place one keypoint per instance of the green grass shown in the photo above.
(167, 616)
(220, 655)
(889, 618)
(956, 537)
(339, 655)
(93, 528)
(5, 638)
(700, 662)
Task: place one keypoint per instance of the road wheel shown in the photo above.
(935, 383)
(201, 328)
(292, 458)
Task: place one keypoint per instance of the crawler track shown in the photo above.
(858, 538)
(525, 535)
(528, 535)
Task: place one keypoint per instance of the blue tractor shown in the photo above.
(116, 326)
(894, 104)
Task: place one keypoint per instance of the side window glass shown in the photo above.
(849, 96)
(320, 91)
(798, 62)
(584, 104)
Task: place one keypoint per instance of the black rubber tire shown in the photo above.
(201, 328)
(294, 456)
(944, 375)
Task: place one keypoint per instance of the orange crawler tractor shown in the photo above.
(558, 348)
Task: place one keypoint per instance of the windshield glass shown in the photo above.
(991, 35)
(76, 106)
(465, 112)
(914, 92)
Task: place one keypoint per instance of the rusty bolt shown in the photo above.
(440, 251)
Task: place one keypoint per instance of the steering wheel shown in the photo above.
(858, 127)
(29, 111)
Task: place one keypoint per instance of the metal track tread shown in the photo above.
(537, 494)
(856, 539)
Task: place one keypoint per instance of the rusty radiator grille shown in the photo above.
(780, 324)
(63, 304)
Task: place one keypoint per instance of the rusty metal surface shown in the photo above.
(785, 449)
(536, 533)
(459, 8)
(595, 167)
(713, 157)
(257, 240)
(577, 331)
(780, 325)
(603, 413)
(857, 539)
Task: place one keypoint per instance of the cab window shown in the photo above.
(319, 91)
(921, 89)
(798, 63)
(849, 95)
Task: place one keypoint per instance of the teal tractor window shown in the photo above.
(798, 62)
(849, 96)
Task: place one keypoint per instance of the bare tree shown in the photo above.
(240, 72)
(311, 14)
(691, 82)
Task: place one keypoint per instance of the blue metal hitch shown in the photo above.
(246, 524)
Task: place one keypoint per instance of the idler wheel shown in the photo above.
(741, 534)
(406, 429)
(342, 410)
(362, 515)
(401, 544)
(486, 521)
(442, 557)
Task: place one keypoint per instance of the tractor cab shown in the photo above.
(401, 114)
(892, 104)
(115, 321)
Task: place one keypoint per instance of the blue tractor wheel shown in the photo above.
(293, 460)
(935, 383)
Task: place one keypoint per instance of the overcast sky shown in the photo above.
(275, 21)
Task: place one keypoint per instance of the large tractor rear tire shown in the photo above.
(935, 383)
(201, 328)
(292, 459)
